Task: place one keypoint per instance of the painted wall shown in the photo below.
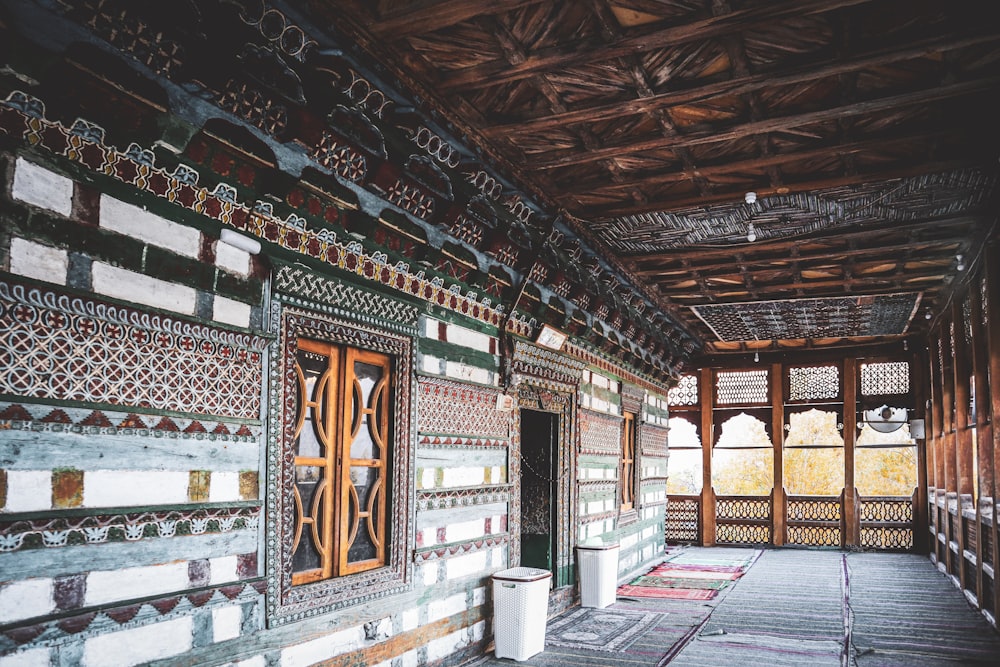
(142, 399)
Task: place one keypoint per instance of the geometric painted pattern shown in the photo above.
(445, 407)
(885, 378)
(600, 434)
(829, 317)
(685, 392)
(23, 117)
(342, 299)
(97, 529)
(57, 346)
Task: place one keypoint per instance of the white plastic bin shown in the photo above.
(598, 564)
(520, 610)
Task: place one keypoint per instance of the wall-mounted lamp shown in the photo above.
(751, 233)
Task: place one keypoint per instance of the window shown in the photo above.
(628, 462)
(684, 475)
(341, 445)
(340, 520)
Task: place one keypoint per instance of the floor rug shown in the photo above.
(670, 593)
(700, 567)
(693, 574)
(599, 629)
(674, 582)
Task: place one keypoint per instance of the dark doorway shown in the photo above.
(539, 438)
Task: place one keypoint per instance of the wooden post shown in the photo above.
(705, 394)
(922, 522)
(852, 519)
(948, 437)
(992, 303)
(984, 460)
(960, 373)
(778, 438)
(937, 442)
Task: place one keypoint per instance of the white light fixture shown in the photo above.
(927, 315)
(751, 233)
(961, 264)
(750, 197)
(756, 356)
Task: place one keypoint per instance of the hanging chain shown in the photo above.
(527, 465)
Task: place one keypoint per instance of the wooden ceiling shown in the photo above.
(866, 128)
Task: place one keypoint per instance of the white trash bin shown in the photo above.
(520, 610)
(598, 565)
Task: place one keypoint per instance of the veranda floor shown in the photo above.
(790, 608)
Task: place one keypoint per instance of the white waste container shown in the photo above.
(598, 566)
(520, 610)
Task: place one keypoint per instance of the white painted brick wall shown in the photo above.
(25, 599)
(29, 490)
(232, 259)
(445, 646)
(38, 261)
(463, 566)
(226, 623)
(139, 645)
(140, 224)
(430, 573)
(122, 488)
(468, 338)
(316, 650)
(410, 619)
(459, 371)
(223, 569)
(438, 609)
(105, 586)
(35, 657)
(225, 486)
(38, 186)
(138, 288)
(232, 312)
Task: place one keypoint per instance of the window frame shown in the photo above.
(288, 602)
(629, 456)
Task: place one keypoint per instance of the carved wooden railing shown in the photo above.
(815, 521)
(743, 519)
(887, 522)
(683, 519)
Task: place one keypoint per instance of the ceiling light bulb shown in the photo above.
(751, 233)
(750, 197)
(961, 265)
(927, 315)
(756, 356)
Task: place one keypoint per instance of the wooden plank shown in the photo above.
(68, 560)
(738, 85)
(41, 450)
(925, 96)
(961, 371)
(434, 16)
(561, 57)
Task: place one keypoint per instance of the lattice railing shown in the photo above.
(743, 519)
(887, 522)
(814, 520)
(683, 513)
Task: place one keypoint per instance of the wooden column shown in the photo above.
(705, 394)
(852, 519)
(993, 341)
(922, 522)
(963, 435)
(778, 440)
(984, 462)
(961, 371)
(948, 438)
